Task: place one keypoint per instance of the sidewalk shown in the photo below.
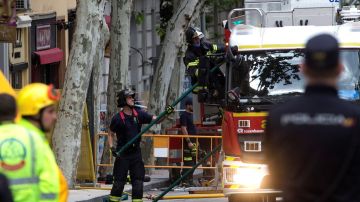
(159, 178)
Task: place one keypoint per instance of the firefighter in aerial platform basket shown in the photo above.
(126, 125)
(198, 62)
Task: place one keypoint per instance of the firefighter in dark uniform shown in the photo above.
(126, 125)
(312, 142)
(198, 65)
(189, 144)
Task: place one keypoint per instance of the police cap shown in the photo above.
(322, 52)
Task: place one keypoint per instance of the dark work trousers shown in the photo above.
(122, 165)
(188, 162)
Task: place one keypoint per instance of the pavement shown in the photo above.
(159, 178)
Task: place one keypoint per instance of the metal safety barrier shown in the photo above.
(212, 152)
(163, 142)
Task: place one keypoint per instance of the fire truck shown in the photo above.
(270, 36)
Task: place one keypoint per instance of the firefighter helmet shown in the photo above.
(191, 33)
(122, 95)
(36, 96)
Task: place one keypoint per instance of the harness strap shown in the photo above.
(134, 112)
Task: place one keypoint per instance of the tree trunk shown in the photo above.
(86, 41)
(175, 90)
(98, 71)
(187, 11)
(215, 21)
(173, 41)
(119, 63)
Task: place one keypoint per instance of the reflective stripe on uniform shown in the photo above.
(215, 47)
(29, 180)
(187, 158)
(48, 196)
(114, 198)
(193, 64)
(197, 88)
(33, 156)
(137, 200)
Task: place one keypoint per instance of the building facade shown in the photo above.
(42, 43)
(144, 45)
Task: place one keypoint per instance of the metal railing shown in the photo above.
(214, 141)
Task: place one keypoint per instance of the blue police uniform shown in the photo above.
(312, 142)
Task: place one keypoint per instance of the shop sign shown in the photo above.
(43, 37)
(7, 21)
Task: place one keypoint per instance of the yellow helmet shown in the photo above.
(33, 97)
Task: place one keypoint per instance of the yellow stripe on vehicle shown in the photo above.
(231, 158)
(231, 166)
(350, 44)
(289, 46)
(235, 186)
(256, 114)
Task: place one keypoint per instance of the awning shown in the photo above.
(50, 55)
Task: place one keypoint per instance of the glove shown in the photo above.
(113, 151)
(234, 50)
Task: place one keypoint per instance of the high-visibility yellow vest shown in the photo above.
(63, 187)
(26, 162)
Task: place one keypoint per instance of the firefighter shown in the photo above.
(189, 145)
(36, 104)
(198, 64)
(312, 142)
(126, 125)
(24, 158)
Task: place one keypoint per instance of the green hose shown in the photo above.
(187, 173)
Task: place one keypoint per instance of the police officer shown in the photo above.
(126, 125)
(36, 102)
(198, 65)
(190, 146)
(23, 158)
(312, 142)
(5, 193)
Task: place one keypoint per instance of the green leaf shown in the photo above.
(139, 17)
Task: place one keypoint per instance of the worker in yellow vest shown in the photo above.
(23, 158)
(36, 104)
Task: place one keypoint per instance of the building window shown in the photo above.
(22, 4)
